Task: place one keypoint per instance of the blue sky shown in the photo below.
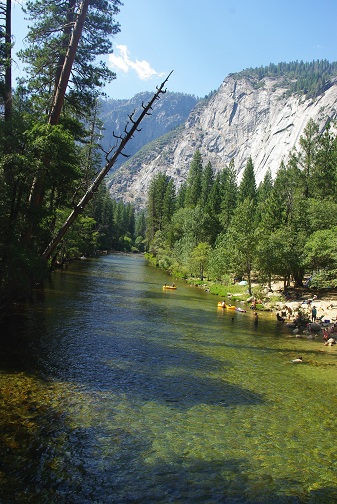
(203, 41)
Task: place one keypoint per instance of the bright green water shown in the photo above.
(115, 391)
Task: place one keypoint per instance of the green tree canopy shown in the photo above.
(247, 187)
(194, 181)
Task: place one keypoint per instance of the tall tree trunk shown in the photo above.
(38, 186)
(61, 87)
(249, 270)
(110, 162)
(65, 41)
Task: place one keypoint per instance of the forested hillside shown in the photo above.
(305, 78)
(214, 228)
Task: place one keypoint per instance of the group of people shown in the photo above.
(329, 333)
(288, 312)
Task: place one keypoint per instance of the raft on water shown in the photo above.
(226, 307)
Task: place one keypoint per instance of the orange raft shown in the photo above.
(172, 287)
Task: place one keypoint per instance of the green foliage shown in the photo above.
(324, 172)
(320, 250)
(309, 78)
(229, 194)
(49, 35)
(207, 183)
(241, 238)
(199, 259)
(283, 228)
(46, 167)
(161, 204)
(247, 187)
(81, 240)
(324, 279)
(57, 145)
(194, 181)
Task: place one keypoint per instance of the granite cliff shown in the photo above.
(246, 116)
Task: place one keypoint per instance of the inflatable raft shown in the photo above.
(226, 307)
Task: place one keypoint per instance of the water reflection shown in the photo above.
(114, 390)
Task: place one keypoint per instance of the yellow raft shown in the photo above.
(226, 307)
(172, 287)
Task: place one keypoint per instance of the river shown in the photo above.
(116, 391)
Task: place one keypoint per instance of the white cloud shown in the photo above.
(123, 62)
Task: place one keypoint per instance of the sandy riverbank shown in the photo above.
(303, 301)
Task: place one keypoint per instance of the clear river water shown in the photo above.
(114, 390)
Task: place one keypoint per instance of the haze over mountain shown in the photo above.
(257, 113)
(169, 112)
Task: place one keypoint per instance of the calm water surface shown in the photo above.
(115, 391)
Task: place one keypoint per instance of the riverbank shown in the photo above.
(302, 301)
(294, 302)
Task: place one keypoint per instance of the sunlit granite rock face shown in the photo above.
(243, 118)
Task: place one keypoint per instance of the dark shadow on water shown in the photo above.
(47, 458)
(136, 366)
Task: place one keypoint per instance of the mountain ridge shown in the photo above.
(262, 117)
(170, 111)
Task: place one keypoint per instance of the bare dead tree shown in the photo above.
(123, 140)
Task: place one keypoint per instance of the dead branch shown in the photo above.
(110, 162)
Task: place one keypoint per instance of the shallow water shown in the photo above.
(115, 391)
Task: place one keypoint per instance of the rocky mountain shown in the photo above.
(170, 111)
(262, 117)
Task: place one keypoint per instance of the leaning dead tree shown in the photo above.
(123, 140)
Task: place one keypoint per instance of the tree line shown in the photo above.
(50, 156)
(212, 226)
(308, 78)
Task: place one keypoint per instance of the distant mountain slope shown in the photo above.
(260, 113)
(169, 112)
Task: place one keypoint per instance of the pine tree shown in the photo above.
(181, 196)
(214, 197)
(161, 204)
(305, 159)
(58, 45)
(265, 187)
(263, 192)
(241, 239)
(229, 191)
(193, 189)
(247, 187)
(207, 181)
(324, 173)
